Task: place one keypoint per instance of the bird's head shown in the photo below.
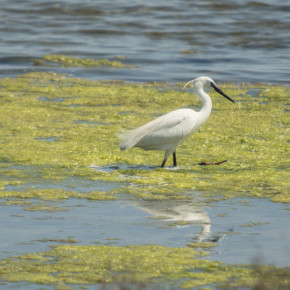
(204, 82)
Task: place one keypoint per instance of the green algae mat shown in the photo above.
(85, 265)
(55, 127)
(68, 61)
(64, 125)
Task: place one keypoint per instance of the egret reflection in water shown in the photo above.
(179, 214)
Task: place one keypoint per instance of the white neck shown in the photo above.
(205, 109)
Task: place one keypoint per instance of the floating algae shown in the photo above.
(86, 265)
(68, 61)
(251, 135)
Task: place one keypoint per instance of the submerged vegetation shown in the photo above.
(62, 130)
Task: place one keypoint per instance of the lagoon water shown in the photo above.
(174, 41)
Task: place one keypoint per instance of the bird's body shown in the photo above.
(170, 130)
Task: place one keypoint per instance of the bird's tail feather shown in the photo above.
(131, 138)
(124, 140)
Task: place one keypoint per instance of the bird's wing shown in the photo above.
(167, 129)
(173, 128)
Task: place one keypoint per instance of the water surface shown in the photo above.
(243, 229)
(240, 41)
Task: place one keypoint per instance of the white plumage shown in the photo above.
(170, 130)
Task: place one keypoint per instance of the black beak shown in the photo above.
(221, 92)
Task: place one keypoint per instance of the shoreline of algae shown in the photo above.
(69, 123)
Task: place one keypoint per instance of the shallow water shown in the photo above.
(243, 229)
(240, 41)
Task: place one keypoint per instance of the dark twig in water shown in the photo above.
(212, 163)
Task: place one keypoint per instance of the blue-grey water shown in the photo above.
(229, 40)
(243, 229)
(174, 41)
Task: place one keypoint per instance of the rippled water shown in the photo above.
(237, 40)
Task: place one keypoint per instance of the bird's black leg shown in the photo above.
(163, 163)
(174, 159)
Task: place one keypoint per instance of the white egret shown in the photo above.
(170, 130)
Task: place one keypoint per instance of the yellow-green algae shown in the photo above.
(77, 264)
(67, 241)
(30, 206)
(254, 224)
(68, 61)
(62, 125)
(56, 194)
(22, 197)
(202, 245)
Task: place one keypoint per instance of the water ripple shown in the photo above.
(153, 35)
